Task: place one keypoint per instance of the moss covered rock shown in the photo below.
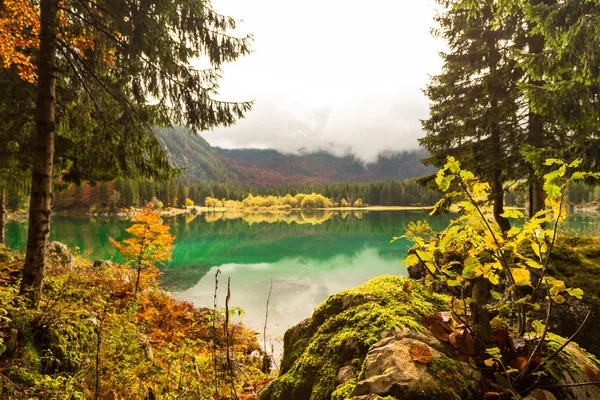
(356, 346)
(576, 260)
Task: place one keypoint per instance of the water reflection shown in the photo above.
(309, 255)
(299, 285)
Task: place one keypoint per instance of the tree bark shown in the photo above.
(482, 328)
(495, 130)
(537, 201)
(43, 153)
(498, 195)
(2, 214)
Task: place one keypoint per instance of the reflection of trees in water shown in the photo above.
(581, 223)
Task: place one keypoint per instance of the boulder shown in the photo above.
(59, 255)
(356, 345)
(390, 371)
(360, 345)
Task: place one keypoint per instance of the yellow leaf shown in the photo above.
(521, 276)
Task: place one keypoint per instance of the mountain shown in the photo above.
(203, 162)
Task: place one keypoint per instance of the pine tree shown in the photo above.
(181, 196)
(475, 112)
(565, 74)
(125, 53)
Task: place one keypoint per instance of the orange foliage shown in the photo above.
(19, 36)
(151, 244)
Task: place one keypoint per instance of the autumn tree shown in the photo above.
(118, 54)
(151, 243)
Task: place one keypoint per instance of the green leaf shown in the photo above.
(472, 269)
(396, 238)
(552, 161)
(513, 214)
(575, 292)
(452, 165)
(453, 282)
(578, 175)
(496, 295)
(533, 264)
(489, 362)
(559, 299)
(575, 163)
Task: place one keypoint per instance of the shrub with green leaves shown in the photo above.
(497, 278)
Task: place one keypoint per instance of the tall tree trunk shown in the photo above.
(537, 201)
(2, 214)
(43, 153)
(497, 153)
(498, 195)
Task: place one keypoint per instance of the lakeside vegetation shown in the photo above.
(514, 119)
(95, 334)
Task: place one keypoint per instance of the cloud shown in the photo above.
(345, 76)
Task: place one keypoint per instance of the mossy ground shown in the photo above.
(577, 261)
(89, 328)
(340, 333)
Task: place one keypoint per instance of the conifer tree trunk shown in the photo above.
(537, 200)
(497, 151)
(498, 195)
(43, 153)
(2, 214)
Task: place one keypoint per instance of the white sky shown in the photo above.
(341, 75)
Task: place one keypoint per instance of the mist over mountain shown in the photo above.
(202, 162)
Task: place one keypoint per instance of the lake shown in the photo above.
(306, 255)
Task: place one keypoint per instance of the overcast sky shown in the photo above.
(341, 75)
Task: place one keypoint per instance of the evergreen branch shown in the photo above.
(87, 90)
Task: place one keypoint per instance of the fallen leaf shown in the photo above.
(593, 375)
(406, 288)
(443, 316)
(421, 354)
(439, 331)
(519, 363)
(463, 342)
(427, 321)
(502, 339)
(543, 395)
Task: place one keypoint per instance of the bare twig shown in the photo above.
(215, 334)
(227, 344)
(539, 344)
(569, 340)
(566, 385)
(265, 357)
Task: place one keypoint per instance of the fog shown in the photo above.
(344, 76)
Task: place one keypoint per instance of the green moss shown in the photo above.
(449, 372)
(340, 333)
(576, 260)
